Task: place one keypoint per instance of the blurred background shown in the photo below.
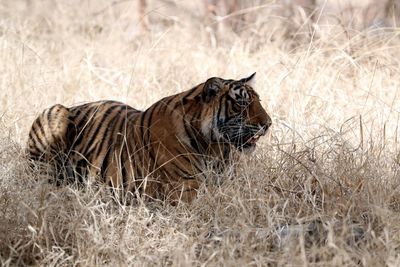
(319, 64)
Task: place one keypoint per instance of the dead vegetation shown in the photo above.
(322, 190)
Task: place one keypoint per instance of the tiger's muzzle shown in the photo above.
(251, 134)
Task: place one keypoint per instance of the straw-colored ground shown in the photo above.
(322, 189)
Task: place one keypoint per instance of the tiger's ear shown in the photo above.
(249, 80)
(211, 88)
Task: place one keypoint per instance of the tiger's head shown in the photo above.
(238, 117)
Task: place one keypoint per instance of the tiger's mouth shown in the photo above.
(244, 138)
(249, 143)
(254, 138)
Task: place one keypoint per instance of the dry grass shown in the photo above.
(323, 190)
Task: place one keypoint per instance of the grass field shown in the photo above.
(323, 189)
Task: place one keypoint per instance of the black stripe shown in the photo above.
(51, 145)
(49, 113)
(124, 176)
(123, 168)
(94, 137)
(170, 172)
(122, 126)
(141, 125)
(149, 122)
(166, 101)
(181, 173)
(35, 138)
(40, 127)
(76, 112)
(152, 158)
(237, 86)
(108, 139)
(196, 138)
(71, 134)
(104, 164)
(86, 125)
(226, 115)
(219, 110)
(81, 169)
(132, 111)
(187, 178)
(81, 128)
(35, 155)
(183, 100)
(194, 144)
(137, 170)
(190, 93)
(192, 138)
(229, 82)
(193, 164)
(196, 118)
(109, 126)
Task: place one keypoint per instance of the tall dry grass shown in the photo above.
(322, 190)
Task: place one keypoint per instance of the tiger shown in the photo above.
(161, 152)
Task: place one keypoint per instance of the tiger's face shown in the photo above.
(239, 118)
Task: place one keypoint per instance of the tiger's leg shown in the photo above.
(120, 176)
(185, 191)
